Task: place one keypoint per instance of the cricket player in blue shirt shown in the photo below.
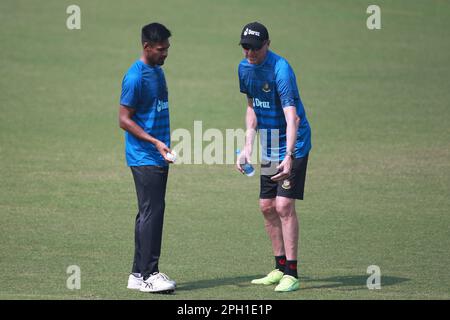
(274, 108)
(144, 115)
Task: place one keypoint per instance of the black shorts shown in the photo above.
(292, 187)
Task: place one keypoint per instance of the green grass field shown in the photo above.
(378, 181)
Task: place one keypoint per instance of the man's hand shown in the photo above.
(243, 157)
(163, 149)
(284, 168)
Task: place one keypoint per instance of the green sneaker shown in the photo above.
(287, 284)
(272, 278)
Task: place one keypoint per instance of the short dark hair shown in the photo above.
(154, 32)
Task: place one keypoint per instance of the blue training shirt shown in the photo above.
(144, 89)
(272, 85)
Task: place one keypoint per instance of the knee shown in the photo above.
(268, 210)
(285, 209)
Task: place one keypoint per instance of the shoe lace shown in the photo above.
(164, 276)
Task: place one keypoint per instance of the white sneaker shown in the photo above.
(158, 282)
(166, 277)
(134, 282)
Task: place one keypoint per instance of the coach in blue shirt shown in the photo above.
(144, 115)
(275, 109)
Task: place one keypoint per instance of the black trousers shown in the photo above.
(150, 182)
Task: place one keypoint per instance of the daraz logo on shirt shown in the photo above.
(162, 105)
(261, 104)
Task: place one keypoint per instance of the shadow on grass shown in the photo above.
(243, 281)
(353, 282)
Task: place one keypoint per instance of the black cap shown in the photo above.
(254, 34)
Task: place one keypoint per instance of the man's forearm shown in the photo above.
(250, 122)
(291, 136)
(292, 123)
(250, 137)
(133, 128)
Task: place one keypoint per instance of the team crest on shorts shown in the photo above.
(266, 87)
(286, 184)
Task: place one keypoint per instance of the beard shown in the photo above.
(160, 61)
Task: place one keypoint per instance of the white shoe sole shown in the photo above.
(164, 291)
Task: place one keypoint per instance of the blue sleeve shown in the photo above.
(286, 84)
(242, 86)
(131, 90)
